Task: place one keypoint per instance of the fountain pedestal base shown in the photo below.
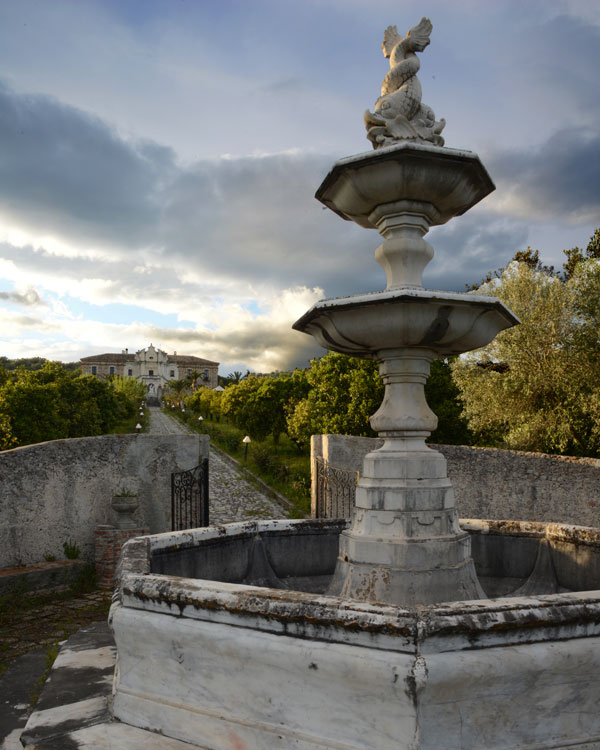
(405, 545)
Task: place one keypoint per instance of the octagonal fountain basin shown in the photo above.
(226, 640)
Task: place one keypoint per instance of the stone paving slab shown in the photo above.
(114, 736)
(16, 686)
(74, 708)
(77, 692)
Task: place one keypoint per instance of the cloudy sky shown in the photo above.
(158, 161)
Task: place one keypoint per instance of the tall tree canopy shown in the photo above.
(345, 392)
(537, 385)
(51, 403)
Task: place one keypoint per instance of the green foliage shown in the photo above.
(28, 363)
(85, 581)
(343, 394)
(279, 464)
(205, 402)
(71, 550)
(576, 255)
(51, 402)
(177, 387)
(132, 388)
(123, 492)
(50, 657)
(258, 405)
(442, 396)
(7, 438)
(537, 385)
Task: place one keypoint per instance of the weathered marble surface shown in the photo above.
(399, 113)
(248, 667)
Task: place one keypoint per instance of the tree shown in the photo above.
(178, 387)
(537, 385)
(345, 392)
(205, 402)
(192, 378)
(576, 255)
(51, 403)
(442, 396)
(259, 404)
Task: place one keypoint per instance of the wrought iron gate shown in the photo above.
(189, 498)
(336, 489)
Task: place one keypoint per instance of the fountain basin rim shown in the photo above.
(469, 624)
(366, 193)
(444, 323)
(403, 294)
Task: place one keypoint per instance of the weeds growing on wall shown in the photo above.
(71, 550)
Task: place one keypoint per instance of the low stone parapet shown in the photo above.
(491, 483)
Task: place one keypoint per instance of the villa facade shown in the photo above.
(153, 367)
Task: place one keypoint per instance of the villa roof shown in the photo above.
(183, 360)
(188, 360)
(119, 358)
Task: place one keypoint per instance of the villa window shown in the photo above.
(189, 372)
(130, 372)
(150, 372)
(93, 369)
(112, 371)
(172, 375)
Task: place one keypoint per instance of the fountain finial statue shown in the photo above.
(399, 113)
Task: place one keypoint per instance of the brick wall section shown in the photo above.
(496, 484)
(109, 542)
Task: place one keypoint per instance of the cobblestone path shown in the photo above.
(231, 496)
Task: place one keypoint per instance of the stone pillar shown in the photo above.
(108, 544)
(405, 545)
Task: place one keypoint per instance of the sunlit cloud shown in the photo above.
(157, 185)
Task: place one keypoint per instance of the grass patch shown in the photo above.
(51, 654)
(280, 464)
(127, 426)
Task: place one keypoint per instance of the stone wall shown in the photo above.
(496, 484)
(61, 490)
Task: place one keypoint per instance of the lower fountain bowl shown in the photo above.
(226, 640)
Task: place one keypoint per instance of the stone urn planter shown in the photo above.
(125, 504)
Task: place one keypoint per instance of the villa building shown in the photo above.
(153, 367)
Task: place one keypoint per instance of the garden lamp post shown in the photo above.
(138, 428)
(246, 441)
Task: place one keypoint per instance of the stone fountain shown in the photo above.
(376, 633)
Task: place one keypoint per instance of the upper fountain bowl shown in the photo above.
(449, 179)
(364, 325)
